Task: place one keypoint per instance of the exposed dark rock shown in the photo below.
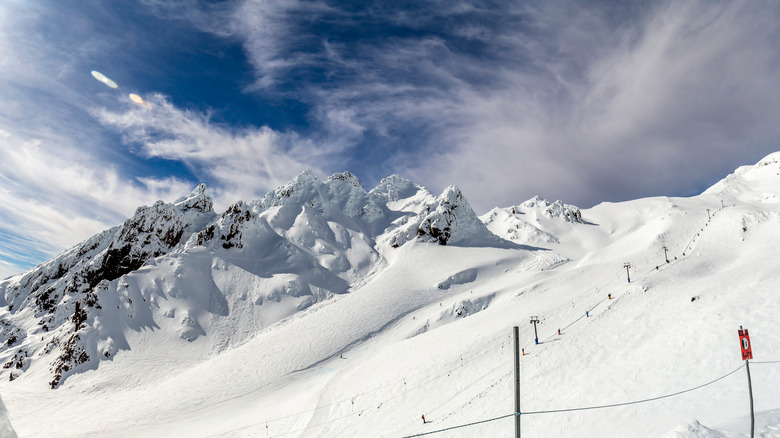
(73, 354)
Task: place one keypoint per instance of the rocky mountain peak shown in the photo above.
(344, 177)
(198, 200)
(557, 209)
(449, 219)
(395, 187)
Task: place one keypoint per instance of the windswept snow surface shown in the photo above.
(295, 316)
(6, 430)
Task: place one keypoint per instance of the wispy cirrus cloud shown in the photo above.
(507, 100)
(52, 200)
(667, 107)
(415, 93)
(62, 178)
(244, 163)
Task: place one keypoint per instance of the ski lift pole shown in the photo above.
(516, 333)
(747, 353)
(750, 392)
(534, 321)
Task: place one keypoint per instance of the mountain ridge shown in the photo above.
(325, 231)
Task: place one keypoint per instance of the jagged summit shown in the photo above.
(557, 209)
(533, 221)
(198, 199)
(307, 189)
(395, 187)
(347, 177)
(402, 195)
(302, 187)
(340, 198)
(449, 219)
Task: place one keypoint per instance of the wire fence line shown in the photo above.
(613, 405)
(461, 425)
(474, 423)
(765, 361)
(585, 408)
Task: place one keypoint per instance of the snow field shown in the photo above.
(371, 361)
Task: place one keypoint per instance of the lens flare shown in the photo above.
(140, 101)
(102, 78)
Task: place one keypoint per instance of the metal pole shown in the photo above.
(516, 332)
(747, 353)
(750, 391)
(534, 321)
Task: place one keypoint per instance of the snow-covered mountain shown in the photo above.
(448, 219)
(62, 301)
(328, 310)
(528, 221)
(251, 266)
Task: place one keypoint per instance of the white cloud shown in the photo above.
(244, 163)
(664, 107)
(270, 39)
(17, 253)
(54, 196)
(589, 104)
(9, 269)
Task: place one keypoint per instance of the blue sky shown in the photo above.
(580, 101)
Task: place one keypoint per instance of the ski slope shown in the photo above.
(425, 329)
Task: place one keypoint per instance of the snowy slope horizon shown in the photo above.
(322, 300)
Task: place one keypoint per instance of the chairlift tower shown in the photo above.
(627, 265)
(666, 255)
(534, 321)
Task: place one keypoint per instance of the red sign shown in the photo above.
(744, 343)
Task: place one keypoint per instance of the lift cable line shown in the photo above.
(461, 425)
(585, 408)
(614, 405)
